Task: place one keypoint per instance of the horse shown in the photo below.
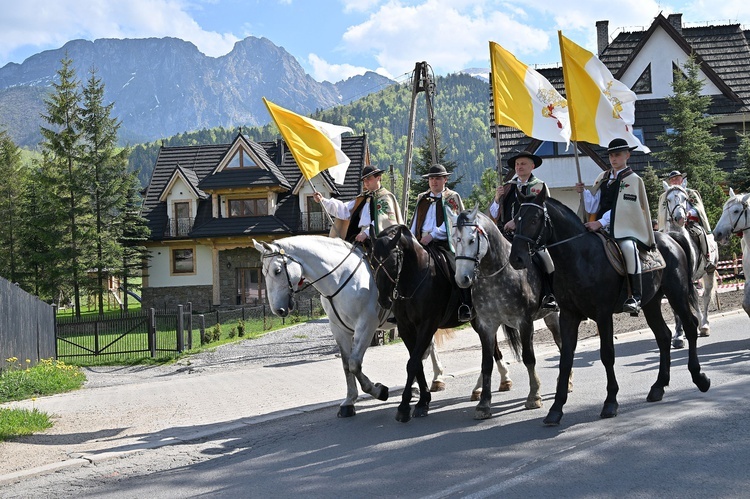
(676, 198)
(587, 286)
(502, 297)
(412, 285)
(735, 219)
(340, 273)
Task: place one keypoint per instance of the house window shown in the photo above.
(643, 84)
(677, 73)
(182, 222)
(250, 286)
(552, 149)
(183, 261)
(241, 159)
(248, 207)
(638, 132)
(314, 219)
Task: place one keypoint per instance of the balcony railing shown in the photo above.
(314, 222)
(178, 227)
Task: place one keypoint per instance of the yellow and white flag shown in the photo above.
(315, 145)
(601, 108)
(524, 99)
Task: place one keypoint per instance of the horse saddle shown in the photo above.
(651, 260)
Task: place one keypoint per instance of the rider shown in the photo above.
(618, 198)
(430, 223)
(375, 205)
(523, 188)
(696, 215)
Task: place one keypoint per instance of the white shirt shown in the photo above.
(591, 202)
(429, 225)
(342, 210)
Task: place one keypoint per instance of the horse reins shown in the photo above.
(537, 246)
(741, 215)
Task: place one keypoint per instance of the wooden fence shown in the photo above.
(730, 270)
(27, 326)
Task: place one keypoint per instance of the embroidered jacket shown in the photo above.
(449, 200)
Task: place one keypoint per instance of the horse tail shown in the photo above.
(513, 337)
(444, 334)
(683, 240)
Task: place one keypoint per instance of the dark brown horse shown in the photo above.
(587, 286)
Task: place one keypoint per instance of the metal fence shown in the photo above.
(27, 326)
(161, 333)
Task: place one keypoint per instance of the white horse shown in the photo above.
(735, 219)
(339, 272)
(677, 202)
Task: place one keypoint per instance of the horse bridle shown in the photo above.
(742, 214)
(399, 253)
(481, 234)
(535, 245)
(676, 206)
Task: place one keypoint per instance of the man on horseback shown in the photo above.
(523, 188)
(430, 223)
(618, 198)
(697, 221)
(376, 205)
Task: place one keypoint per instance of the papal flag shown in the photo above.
(315, 145)
(525, 100)
(601, 108)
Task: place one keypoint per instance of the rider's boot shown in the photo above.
(633, 303)
(548, 298)
(465, 310)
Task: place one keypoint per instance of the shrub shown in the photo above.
(241, 328)
(216, 332)
(233, 332)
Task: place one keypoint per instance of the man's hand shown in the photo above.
(426, 239)
(579, 187)
(593, 226)
(498, 193)
(361, 237)
(510, 226)
(317, 196)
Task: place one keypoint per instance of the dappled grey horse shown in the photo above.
(735, 219)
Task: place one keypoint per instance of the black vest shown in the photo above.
(609, 191)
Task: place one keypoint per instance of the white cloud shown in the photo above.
(44, 23)
(359, 5)
(324, 71)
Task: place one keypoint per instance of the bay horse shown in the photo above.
(502, 297)
(587, 286)
(340, 273)
(423, 299)
(676, 198)
(735, 219)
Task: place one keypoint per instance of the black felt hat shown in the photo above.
(370, 170)
(618, 145)
(524, 154)
(436, 171)
(676, 173)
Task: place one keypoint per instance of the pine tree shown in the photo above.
(12, 179)
(690, 146)
(654, 188)
(739, 180)
(66, 178)
(107, 166)
(483, 193)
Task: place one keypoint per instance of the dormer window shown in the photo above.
(241, 159)
(248, 207)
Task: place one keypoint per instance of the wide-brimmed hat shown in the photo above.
(370, 170)
(676, 173)
(619, 145)
(436, 171)
(524, 154)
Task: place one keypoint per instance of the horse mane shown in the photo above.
(570, 217)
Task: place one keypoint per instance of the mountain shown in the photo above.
(165, 86)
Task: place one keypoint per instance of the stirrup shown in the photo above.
(465, 313)
(549, 303)
(632, 305)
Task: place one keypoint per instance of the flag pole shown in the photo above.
(330, 218)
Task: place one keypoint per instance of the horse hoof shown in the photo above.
(403, 417)
(420, 412)
(346, 411)
(482, 413)
(678, 343)
(703, 382)
(437, 386)
(383, 393)
(704, 332)
(553, 418)
(609, 410)
(505, 386)
(655, 394)
(533, 404)
(476, 395)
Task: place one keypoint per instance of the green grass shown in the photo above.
(21, 381)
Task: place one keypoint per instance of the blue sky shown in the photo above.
(335, 39)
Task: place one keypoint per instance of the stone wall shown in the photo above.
(171, 296)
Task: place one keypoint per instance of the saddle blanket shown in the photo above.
(651, 260)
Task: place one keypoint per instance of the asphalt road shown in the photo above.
(691, 444)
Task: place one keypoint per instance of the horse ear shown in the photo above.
(666, 185)
(684, 183)
(541, 197)
(731, 193)
(453, 217)
(258, 246)
(474, 212)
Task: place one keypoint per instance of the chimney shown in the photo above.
(602, 36)
(676, 21)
